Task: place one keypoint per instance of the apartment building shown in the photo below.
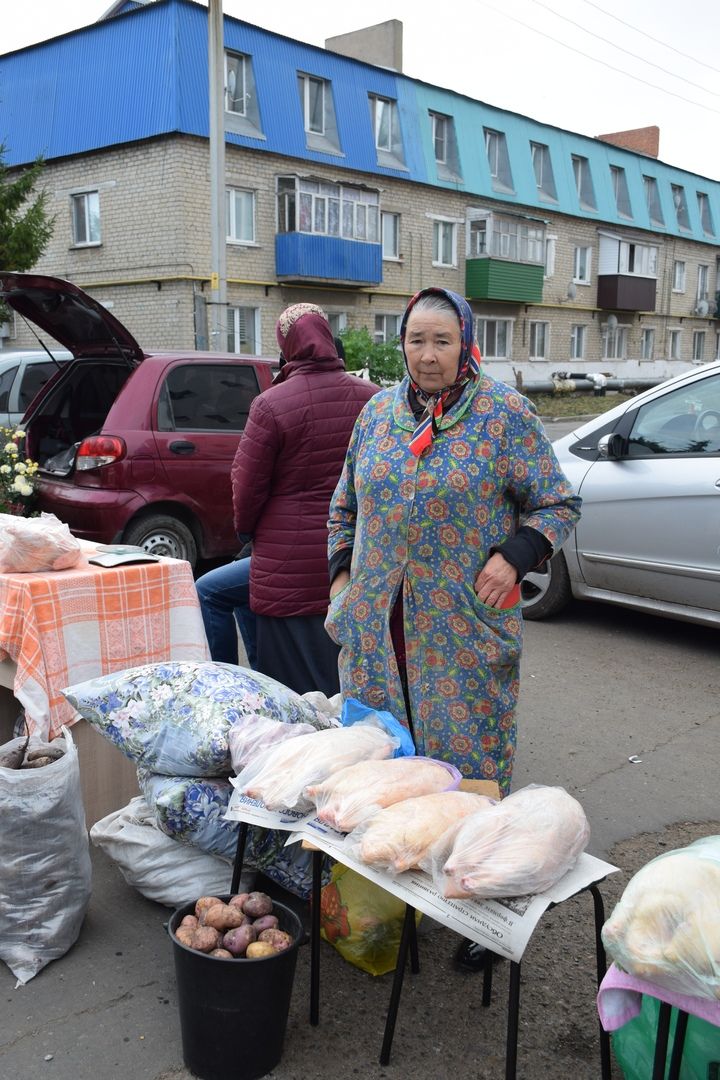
(351, 185)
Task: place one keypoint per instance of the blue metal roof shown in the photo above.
(143, 73)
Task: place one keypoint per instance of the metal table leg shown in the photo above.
(601, 961)
(678, 1045)
(239, 857)
(315, 937)
(414, 958)
(661, 1041)
(513, 1021)
(405, 938)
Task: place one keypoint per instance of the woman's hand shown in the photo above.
(339, 582)
(495, 581)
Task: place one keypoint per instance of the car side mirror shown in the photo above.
(611, 447)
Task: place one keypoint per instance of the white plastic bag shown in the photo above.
(162, 869)
(44, 862)
(251, 734)
(33, 545)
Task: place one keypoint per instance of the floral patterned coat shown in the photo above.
(426, 525)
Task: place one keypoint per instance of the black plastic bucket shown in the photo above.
(233, 1013)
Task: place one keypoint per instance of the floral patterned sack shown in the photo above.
(174, 717)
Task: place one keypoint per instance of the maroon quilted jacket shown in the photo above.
(285, 470)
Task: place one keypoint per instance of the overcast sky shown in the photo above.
(591, 67)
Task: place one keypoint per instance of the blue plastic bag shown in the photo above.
(353, 711)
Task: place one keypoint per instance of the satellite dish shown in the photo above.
(612, 322)
(702, 308)
(571, 291)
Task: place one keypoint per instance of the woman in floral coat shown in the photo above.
(449, 494)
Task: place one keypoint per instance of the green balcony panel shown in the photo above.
(499, 279)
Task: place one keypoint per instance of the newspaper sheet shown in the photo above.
(504, 926)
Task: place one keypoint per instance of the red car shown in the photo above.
(134, 447)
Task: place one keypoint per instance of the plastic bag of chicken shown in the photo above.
(666, 926)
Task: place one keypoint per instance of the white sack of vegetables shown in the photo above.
(356, 793)
(521, 846)
(400, 836)
(666, 926)
(280, 776)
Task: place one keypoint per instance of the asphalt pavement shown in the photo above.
(599, 687)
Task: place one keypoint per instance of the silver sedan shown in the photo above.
(648, 472)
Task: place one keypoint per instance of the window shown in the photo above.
(387, 328)
(506, 237)
(702, 283)
(85, 218)
(206, 397)
(242, 115)
(542, 166)
(390, 228)
(539, 338)
(577, 343)
(320, 207)
(549, 261)
(683, 421)
(444, 250)
(34, 378)
(498, 160)
(674, 343)
(312, 96)
(717, 345)
(338, 321)
(652, 197)
(243, 330)
(235, 90)
(614, 342)
(698, 346)
(386, 130)
(583, 183)
(581, 271)
(647, 344)
(680, 204)
(494, 338)
(678, 284)
(705, 214)
(640, 259)
(439, 134)
(620, 191)
(240, 215)
(6, 380)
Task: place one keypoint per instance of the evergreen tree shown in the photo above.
(25, 227)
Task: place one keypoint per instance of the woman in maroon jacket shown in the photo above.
(285, 471)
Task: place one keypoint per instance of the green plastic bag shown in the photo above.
(634, 1045)
(361, 920)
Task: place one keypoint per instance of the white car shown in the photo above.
(22, 373)
(648, 472)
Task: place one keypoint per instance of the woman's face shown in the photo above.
(432, 347)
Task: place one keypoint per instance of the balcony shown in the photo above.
(500, 279)
(309, 257)
(626, 292)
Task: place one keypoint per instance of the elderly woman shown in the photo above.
(286, 467)
(450, 493)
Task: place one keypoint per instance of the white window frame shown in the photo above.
(652, 200)
(381, 106)
(647, 343)
(440, 232)
(637, 260)
(308, 81)
(578, 268)
(703, 282)
(550, 250)
(717, 345)
(337, 320)
(543, 171)
(440, 135)
(578, 341)
(242, 97)
(698, 346)
(358, 209)
(614, 341)
(387, 328)
(481, 324)
(618, 178)
(674, 344)
(391, 249)
(89, 202)
(498, 160)
(544, 352)
(584, 182)
(231, 200)
(233, 317)
(705, 212)
(679, 276)
(680, 204)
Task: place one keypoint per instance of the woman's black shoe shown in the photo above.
(471, 957)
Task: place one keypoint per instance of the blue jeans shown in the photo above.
(224, 595)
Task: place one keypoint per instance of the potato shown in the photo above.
(224, 917)
(257, 904)
(191, 921)
(184, 934)
(256, 950)
(236, 941)
(203, 904)
(205, 939)
(238, 900)
(279, 940)
(221, 954)
(266, 922)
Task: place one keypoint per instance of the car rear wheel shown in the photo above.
(546, 591)
(160, 534)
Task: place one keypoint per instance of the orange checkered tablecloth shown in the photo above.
(63, 627)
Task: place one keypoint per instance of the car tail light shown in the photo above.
(99, 450)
